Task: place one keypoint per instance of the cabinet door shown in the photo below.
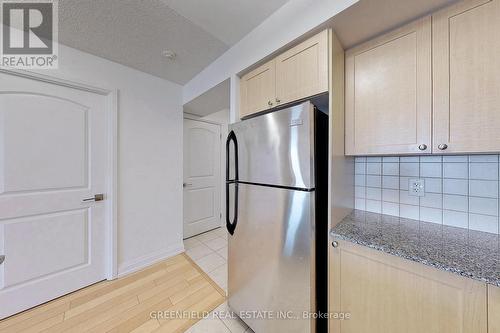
(493, 309)
(387, 294)
(388, 93)
(258, 89)
(466, 88)
(303, 70)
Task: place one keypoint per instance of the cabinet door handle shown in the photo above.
(278, 100)
(443, 146)
(269, 103)
(422, 146)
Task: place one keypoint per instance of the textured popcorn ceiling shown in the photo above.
(135, 32)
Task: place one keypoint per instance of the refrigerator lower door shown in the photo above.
(271, 278)
(276, 148)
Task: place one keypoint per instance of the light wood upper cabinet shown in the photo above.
(466, 92)
(388, 93)
(295, 74)
(493, 309)
(386, 294)
(258, 89)
(303, 70)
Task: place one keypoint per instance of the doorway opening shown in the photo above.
(206, 120)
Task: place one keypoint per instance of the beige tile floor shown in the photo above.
(209, 251)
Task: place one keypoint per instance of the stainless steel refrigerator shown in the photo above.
(276, 216)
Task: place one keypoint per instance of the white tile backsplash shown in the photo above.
(433, 215)
(433, 185)
(409, 169)
(404, 183)
(360, 204)
(391, 182)
(360, 159)
(389, 195)
(455, 219)
(390, 169)
(456, 186)
(432, 200)
(407, 159)
(456, 170)
(388, 159)
(409, 212)
(431, 170)
(455, 159)
(373, 193)
(373, 181)
(483, 158)
(374, 206)
(483, 188)
(390, 208)
(406, 198)
(360, 180)
(483, 223)
(374, 168)
(359, 168)
(461, 191)
(486, 206)
(360, 192)
(431, 159)
(483, 171)
(456, 202)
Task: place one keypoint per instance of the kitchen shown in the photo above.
(356, 172)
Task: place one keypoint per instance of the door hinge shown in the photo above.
(2, 259)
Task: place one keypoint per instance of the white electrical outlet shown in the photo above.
(416, 187)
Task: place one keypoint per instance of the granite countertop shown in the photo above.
(469, 253)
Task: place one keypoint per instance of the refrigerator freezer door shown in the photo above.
(271, 258)
(277, 148)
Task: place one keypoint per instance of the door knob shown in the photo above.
(335, 244)
(422, 147)
(97, 197)
(443, 146)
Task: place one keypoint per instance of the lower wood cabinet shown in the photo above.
(493, 309)
(383, 293)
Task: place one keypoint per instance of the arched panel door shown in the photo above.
(52, 157)
(202, 177)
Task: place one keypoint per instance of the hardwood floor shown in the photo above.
(126, 304)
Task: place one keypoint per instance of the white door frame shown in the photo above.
(112, 148)
(222, 168)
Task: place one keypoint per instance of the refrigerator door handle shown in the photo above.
(232, 137)
(231, 225)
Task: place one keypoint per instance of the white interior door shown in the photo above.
(52, 157)
(202, 177)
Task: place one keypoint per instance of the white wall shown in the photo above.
(288, 23)
(149, 155)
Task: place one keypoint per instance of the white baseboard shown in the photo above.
(147, 260)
